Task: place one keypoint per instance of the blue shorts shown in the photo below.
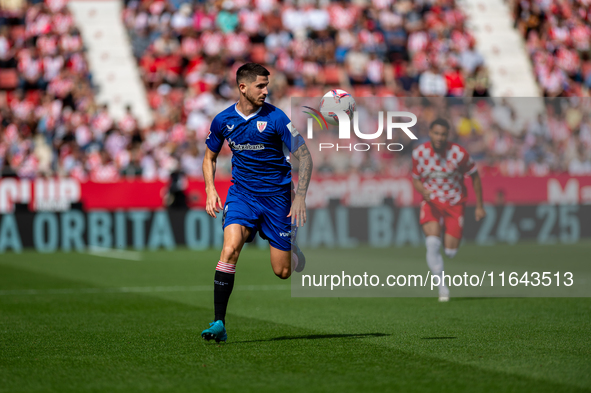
(265, 214)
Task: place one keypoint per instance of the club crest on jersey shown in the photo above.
(261, 125)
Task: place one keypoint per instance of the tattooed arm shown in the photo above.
(298, 206)
(305, 169)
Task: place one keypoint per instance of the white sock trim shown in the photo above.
(226, 267)
(451, 252)
(434, 259)
(433, 241)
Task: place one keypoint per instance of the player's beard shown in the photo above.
(254, 100)
(440, 148)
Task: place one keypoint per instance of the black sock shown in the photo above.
(223, 285)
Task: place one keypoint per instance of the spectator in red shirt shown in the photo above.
(454, 79)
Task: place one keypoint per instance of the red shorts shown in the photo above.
(450, 216)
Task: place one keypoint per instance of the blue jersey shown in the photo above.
(260, 145)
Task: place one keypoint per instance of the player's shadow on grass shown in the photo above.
(316, 337)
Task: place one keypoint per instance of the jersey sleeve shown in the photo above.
(288, 133)
(215, 138)
(467, 165)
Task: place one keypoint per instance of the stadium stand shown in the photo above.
(47, 100)
(187, 54)
(113, 67)
(502, 47)
(558, 36)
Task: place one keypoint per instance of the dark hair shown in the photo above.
(440, 122)
(249, 72)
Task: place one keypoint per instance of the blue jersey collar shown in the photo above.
(251, 115)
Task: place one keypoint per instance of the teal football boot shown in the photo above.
(216, 332)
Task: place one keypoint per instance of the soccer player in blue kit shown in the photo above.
(261, 137)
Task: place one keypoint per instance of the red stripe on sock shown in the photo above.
(226, 267)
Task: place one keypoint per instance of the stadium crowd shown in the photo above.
(498, 139)
(49, 121)
(188, 54)
(558, 39)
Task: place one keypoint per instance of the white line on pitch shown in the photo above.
(116, 254)
(196, 288)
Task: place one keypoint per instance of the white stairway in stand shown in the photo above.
(506, 58)
(503, 48)
(113, 67)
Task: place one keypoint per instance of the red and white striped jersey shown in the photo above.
(568, 60)
(382, 4)
(40, 24)
(47, 44)
(443, 175)
(83, 135)
(102, 122)
(127, 123)
(71, 43)
(178, 133)
(453, 17)
(190, 46)
(52, 67)
(420, 61)
(60, 87)
(122, 158)
(310, 68)
(29, 67)
(559, 34)
(265, 6)
(107, 173)
(370, 38)
(417, 41)
(78, 173)
(237, 44)
(581, 35)
(342, 17)
(29, 166)
(513, 167)
(461, 40)
(375, 71)
(56, 5)
(11, 134)
(4, 47)
(62, 23)
(93, 160)
(77, 64)
(250, 20)
(241, 4)
(21, 109)
(211, 42)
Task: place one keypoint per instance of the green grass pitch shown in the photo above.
(73, 322)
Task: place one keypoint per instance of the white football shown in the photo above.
(334, 100)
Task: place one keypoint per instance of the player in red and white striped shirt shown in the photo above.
(439, 168)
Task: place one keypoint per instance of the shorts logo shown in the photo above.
(284, 234)
(224, 215)
(261, 125)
